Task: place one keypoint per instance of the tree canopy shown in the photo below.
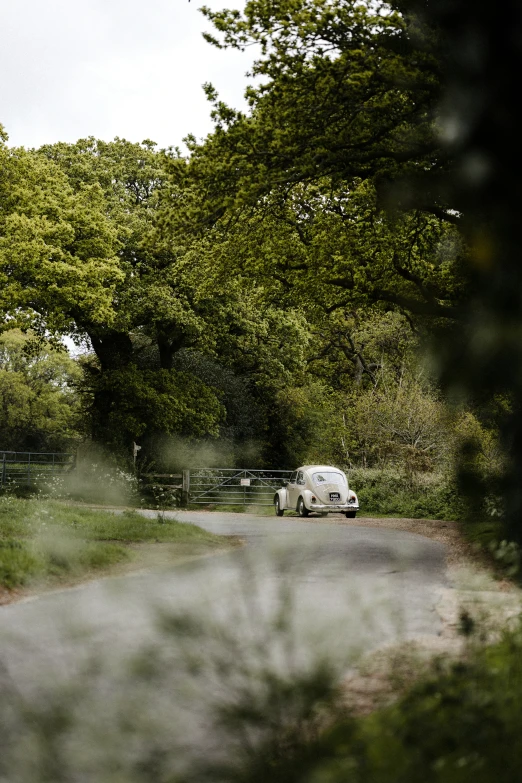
(58, 249)
(344, 90)
(39, 406)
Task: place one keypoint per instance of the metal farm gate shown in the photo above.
(234, 486)
(28, 468)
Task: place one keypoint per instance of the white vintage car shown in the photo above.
(316, 488)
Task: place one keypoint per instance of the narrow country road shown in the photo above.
(334, 590)
(370, 585)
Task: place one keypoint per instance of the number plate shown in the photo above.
(334, 496)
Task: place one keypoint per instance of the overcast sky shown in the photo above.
(106, 68)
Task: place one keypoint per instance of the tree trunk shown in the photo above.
(114, 352)
(113, 349)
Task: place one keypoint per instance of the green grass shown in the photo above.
(50, 541)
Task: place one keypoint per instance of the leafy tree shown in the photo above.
(127, 176)
(123, 386)
(327, 250)
(259, 352)
(353, 347)
(344, 119)
(39, 403)
(57, 247)
(149, 403)
(169, 317)
(400, 422)
(348, 90)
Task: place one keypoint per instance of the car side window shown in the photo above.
(300, 477)
(293, 478)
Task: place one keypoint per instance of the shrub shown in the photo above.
(453, 727)
(387, 491)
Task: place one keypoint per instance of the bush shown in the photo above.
(387, 491)
(454, 727)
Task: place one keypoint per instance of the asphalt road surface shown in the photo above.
(299, 591)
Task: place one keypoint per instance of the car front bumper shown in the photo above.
(334, 507)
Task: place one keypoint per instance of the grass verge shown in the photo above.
(50, 542)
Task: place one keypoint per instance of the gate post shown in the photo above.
(185, 489)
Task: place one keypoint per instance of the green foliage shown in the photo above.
(160, 401)
(366, 402)
(454, 726)
(401, 421)
(150, 289)
(57, 247)
(392, 493)
(327, 247)
(244, 417)
(149, 378)
(296, 420)
(39, 406)
(347, 91)
(507, 554)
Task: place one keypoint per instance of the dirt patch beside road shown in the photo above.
(475, 600)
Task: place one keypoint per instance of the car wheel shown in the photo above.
(301, 508)
(350, 514)
(277, 503)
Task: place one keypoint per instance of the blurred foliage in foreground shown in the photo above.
(459, 725)
(247, 702)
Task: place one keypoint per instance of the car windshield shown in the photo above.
(329, 477)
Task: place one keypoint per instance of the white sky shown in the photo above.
(106, 68)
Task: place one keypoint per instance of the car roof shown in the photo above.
(321, 467)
